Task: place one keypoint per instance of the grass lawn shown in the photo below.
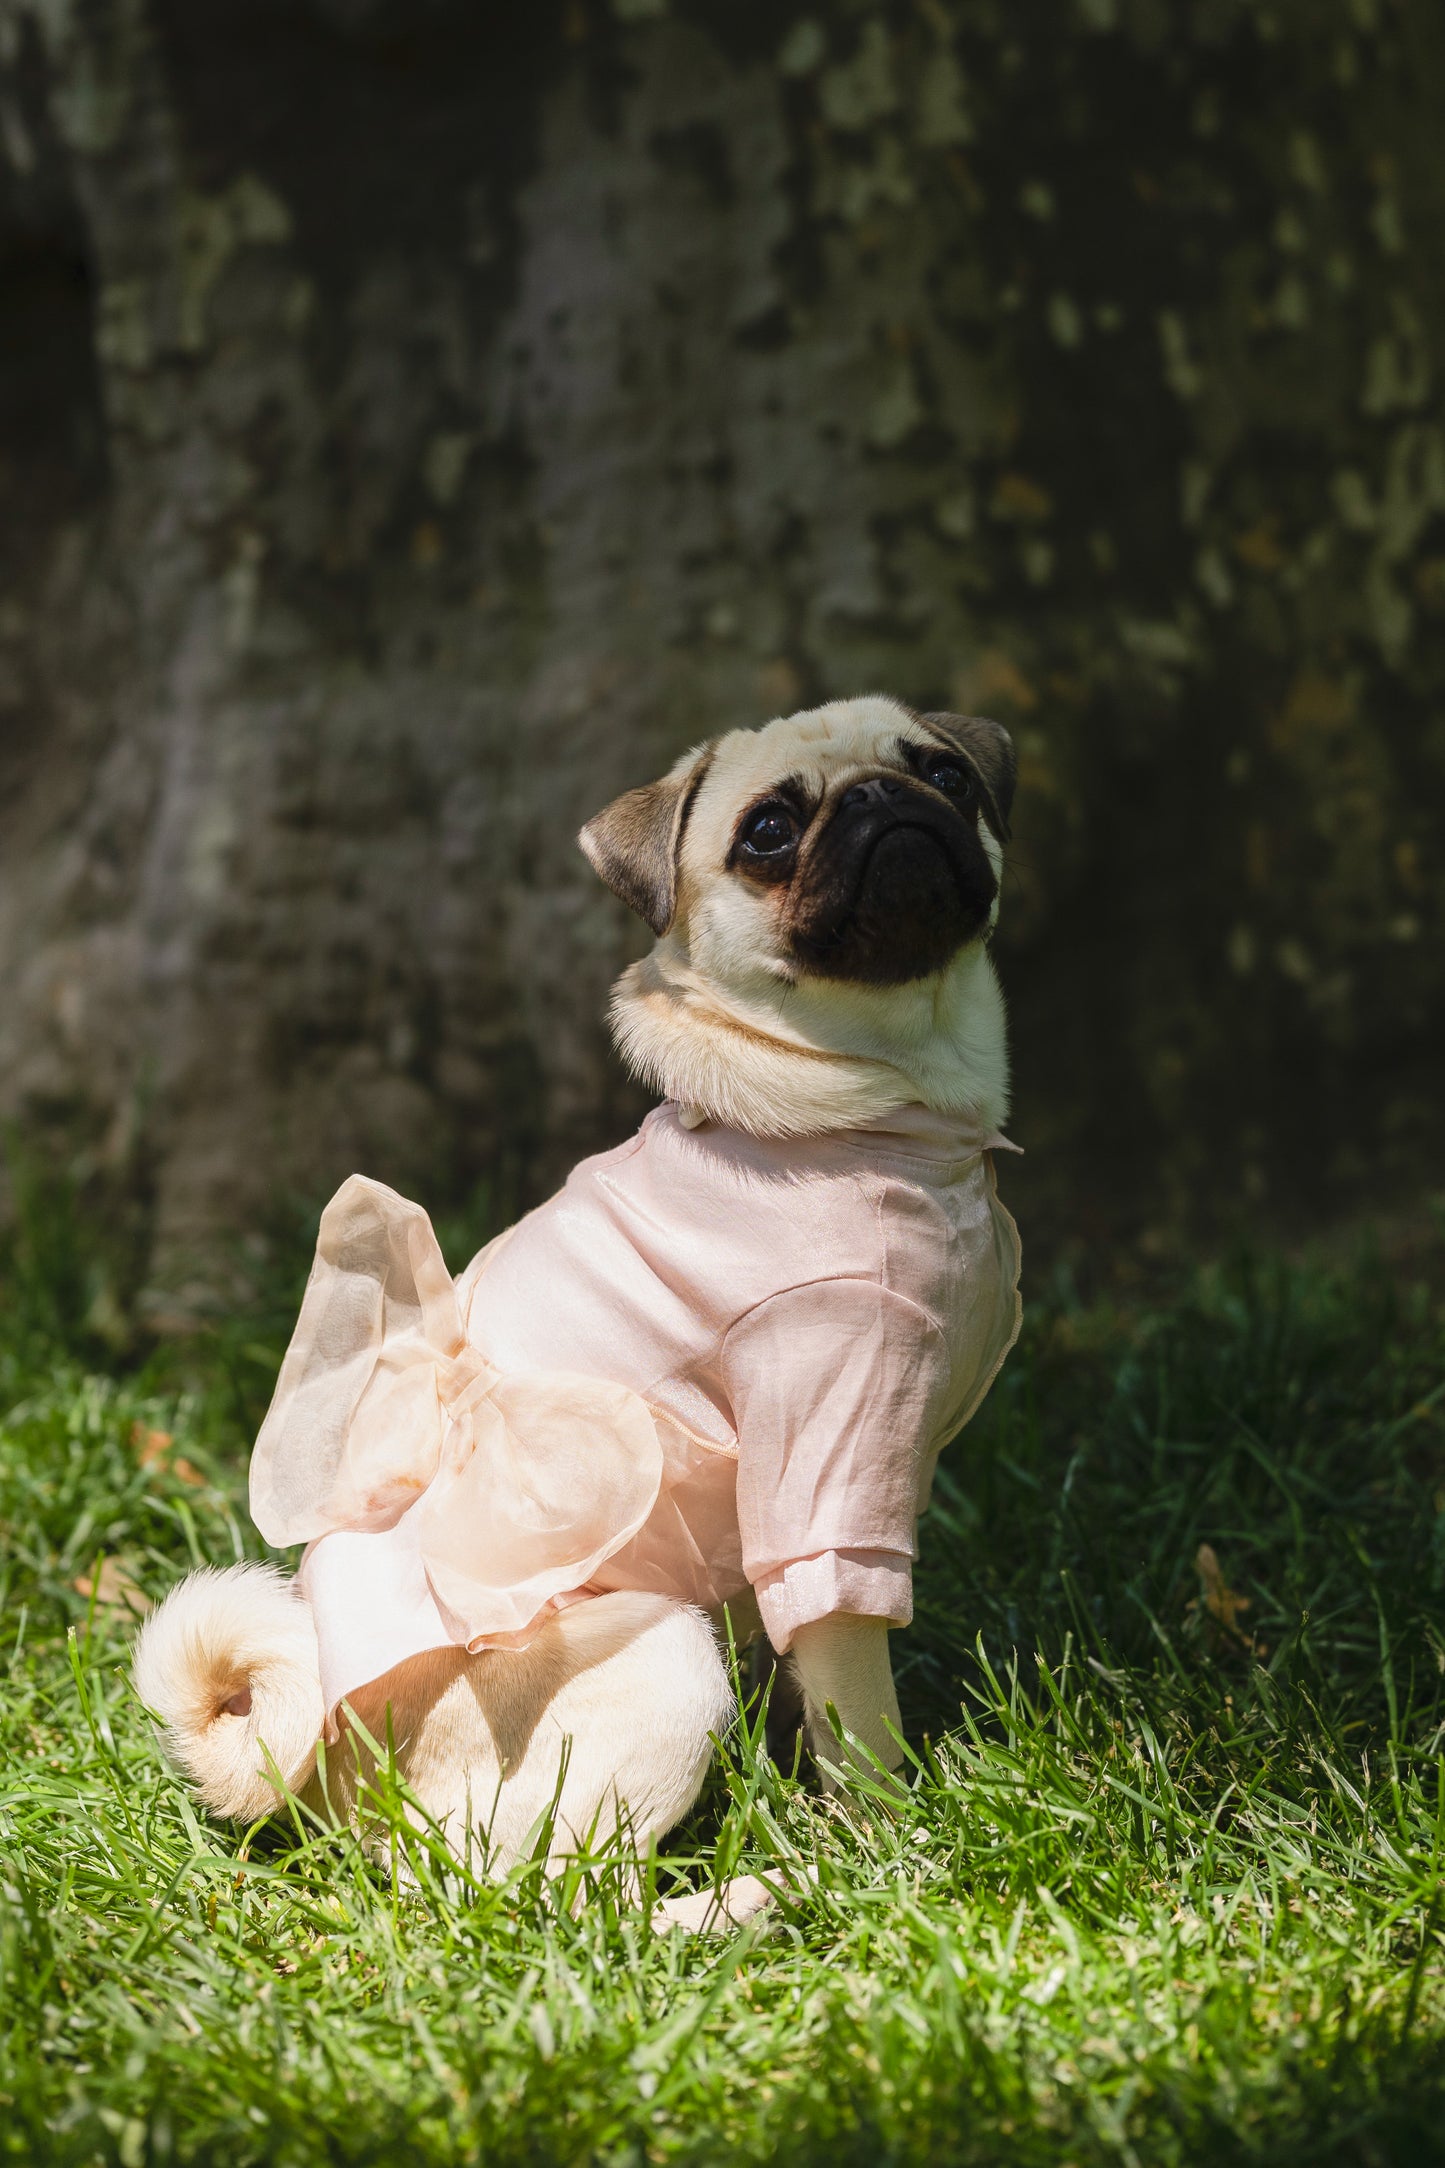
(1166, 1886)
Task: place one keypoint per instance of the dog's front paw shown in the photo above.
(713, 1911)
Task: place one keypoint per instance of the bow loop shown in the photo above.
(507, 1492)
(355, 1428)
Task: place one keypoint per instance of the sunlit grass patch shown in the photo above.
(1165, 1886)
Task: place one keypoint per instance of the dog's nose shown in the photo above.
(877, 786)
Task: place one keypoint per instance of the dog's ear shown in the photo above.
(989, 751)
(634, 843)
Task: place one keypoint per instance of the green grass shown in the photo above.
(1161, 1890)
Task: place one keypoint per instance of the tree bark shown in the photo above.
(419, 423)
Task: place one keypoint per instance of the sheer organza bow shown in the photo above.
(509, 1491)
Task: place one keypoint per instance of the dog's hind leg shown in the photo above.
(605, 1718)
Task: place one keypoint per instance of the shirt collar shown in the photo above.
(928, 1131)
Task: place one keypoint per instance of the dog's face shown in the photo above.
(857, 843)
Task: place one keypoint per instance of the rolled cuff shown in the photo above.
(866, 1584)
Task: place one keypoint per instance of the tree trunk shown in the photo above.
(420, 421)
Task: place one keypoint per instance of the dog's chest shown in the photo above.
(641, 1266)
(637, 1269)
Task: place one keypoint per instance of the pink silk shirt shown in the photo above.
(712, 1364)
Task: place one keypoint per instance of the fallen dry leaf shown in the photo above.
(113, 1589)
(1219, 1599)
(1219, 1605)
(153, 1449)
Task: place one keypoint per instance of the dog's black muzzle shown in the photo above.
(895, 885)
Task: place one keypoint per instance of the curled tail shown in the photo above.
(228, 1662)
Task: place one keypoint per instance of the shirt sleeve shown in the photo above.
(867, 1584)
(834, 1388)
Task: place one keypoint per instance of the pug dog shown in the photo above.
(709, 1379)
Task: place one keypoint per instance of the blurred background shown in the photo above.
(420, 419)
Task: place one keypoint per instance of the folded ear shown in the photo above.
(634, 842)
(990, 753)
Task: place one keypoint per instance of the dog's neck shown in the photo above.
(780, 1059)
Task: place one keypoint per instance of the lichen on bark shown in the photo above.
(443, 419)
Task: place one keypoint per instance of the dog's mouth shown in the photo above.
(892, 893)
(904, 859)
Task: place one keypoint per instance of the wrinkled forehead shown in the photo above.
(818, 747)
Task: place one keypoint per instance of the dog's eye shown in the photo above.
(769, 831)
(949, 776)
